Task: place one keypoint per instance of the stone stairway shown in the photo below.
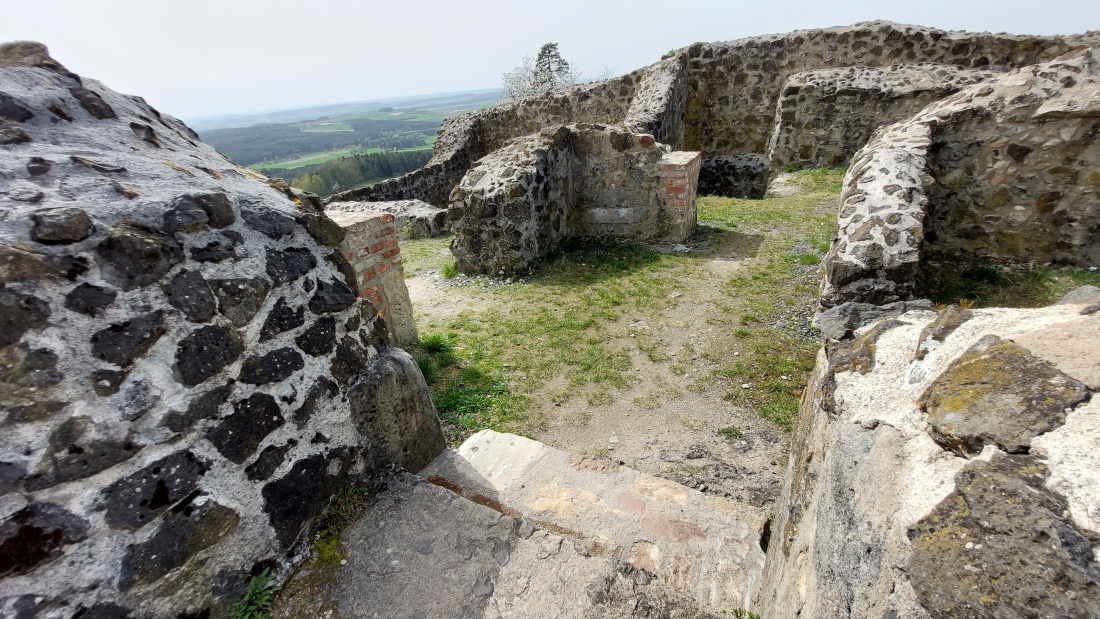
(508, 527)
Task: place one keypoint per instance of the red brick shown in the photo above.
(373, 291)
(369, 275)
(390, 253)
(387, 218)
(396, 261)
(387, 231)
(377, 246)
(677, 189)
(391, 242)
(351, 256)
(382, 312)
(383, 268)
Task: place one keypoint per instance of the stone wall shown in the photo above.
(824, 117)
(370, 245)
(658, 106)
(734, 86)
(186, 377)
(1000, 172)
(517, 205)
(945, 465)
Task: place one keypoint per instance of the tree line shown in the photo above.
(345, 173)
(277, 142)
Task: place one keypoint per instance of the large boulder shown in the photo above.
(176, 350)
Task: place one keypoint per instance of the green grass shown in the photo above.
(257, 599)
(310, 159)
(986, 285)
(769, 290)
(564, 322)
(730, 433)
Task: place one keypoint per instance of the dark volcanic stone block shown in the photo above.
(189, 293)
(282, 319)
(240, 299)
(90, 299)
(320, 338)
(205, 352)
(122, 343)
(218, 207)
(997, 393)
(268, 222)
(35, 535)
(186, 530)
(277, 365)
(20, 313)
(93, 103)
(332, 296)
(134, 501)
(301, 495)
(202, 406)
(1003, 545)
(71, 455)
(289, 264)
(238, 436)
(136, 257)
(61, 226)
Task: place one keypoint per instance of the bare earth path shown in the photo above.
(666, 419)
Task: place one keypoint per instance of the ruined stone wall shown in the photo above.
(945, 465)
(658, 106)
(1000, 172)
(1015, 170)
(370, 245)
(186, 377)
(734, 86)
(824, 117)
(517, 205)
(513, 206)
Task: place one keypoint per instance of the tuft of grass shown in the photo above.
(807, 259)
(449, 270)
(730, 433)
(425, 255)
(427, 368)
(257, 599)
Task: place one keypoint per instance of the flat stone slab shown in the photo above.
(692, 542)
(422, 552)
(414, 219)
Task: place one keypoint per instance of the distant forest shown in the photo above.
(249, 146)
(341, 174)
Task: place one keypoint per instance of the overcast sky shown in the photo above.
(194, 58)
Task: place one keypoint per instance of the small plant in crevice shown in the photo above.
(327, 548)
(257, 599)
(449, 270)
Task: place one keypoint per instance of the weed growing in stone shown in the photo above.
(730, 433)
(257, 599)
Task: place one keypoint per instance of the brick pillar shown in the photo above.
(370, 245)
(679, 173)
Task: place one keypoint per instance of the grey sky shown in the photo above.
(201, 57)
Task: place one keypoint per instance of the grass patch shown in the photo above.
(426, 255)
(774, 294)
(987, 285)
(730, 433)
(449, 270)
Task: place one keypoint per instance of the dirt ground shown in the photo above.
(658, 424)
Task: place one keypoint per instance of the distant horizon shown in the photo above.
(205, 59)
(368, 101)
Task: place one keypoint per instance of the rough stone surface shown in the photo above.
(1001, 545)
(997, 393)
(734, 176)
(413, 219)
(878, 520)
(157, 407)
(692, 543)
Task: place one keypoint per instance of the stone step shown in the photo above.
(695, 544)
(421, 551)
